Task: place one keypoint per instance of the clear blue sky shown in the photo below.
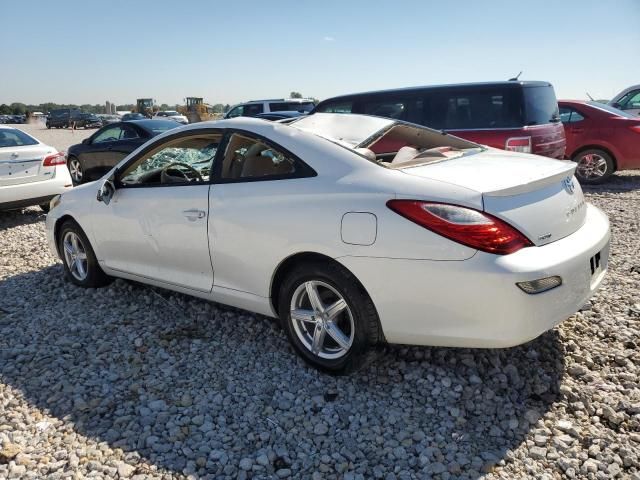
(72, 51)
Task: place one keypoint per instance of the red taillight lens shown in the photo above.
(635, 128)
(54, 159)
(518, 144)
(464, 225)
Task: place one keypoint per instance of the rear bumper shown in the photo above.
(475, 302)
(35, 193)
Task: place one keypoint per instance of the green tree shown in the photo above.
(295, 95)
(18, 108)
(218, 108)
(5, 109)
(164, 106)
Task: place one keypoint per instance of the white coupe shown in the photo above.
(353, 230)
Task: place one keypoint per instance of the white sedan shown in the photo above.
(31, 173)
(353, 230)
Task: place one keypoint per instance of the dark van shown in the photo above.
(514, 115)
(61, 117)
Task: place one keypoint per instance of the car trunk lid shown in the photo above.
(537, 196)
(19, 165)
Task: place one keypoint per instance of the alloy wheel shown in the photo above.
(592, 166)
(75, 256)
(75, 169)
(322, 320)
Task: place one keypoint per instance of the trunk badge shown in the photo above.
(569, 185)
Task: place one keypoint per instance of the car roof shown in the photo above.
(502, 83)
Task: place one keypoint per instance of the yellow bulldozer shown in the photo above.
(197, 111)
(146, 106)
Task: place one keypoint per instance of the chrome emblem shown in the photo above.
(568, 185)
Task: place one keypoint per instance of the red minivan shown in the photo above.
(513, 115)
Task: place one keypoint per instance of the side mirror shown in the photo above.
(106, 191)
(86, 141)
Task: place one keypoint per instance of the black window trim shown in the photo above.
(170, 138)
(302, 169)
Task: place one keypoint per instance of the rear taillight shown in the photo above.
(54, 159)
(518, 144)
(464, 225)
(635, 128)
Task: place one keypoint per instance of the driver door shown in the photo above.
(155, 224)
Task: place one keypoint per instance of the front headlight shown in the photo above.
(55, 201)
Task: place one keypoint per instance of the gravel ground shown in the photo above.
(133, 382)
(60, 138)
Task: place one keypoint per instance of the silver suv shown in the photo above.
(255, 107)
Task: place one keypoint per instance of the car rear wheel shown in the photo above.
(80, 264)
(594, 166)
(76, 170)
(329, 318)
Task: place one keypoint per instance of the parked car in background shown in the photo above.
(255, 107)
(600, 138)
(85, 120)
(516, 116)
(98, 153)
(31, 173)
(60, 118)
(133, 116)
(628, 100)
(280, 115)
(418, 247)
(108, 118)
(171, 115)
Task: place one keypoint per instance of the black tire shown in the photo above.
(95, 276)
(76, 180)
(45, 207)
(367, 333)
(587, 173)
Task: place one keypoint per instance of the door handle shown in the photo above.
(194, 214)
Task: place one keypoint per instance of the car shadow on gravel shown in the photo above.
(189, 386)
(15, 218)
(628, 181)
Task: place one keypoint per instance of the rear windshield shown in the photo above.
(15, 138)
(541, 105)
(158, 126)
(291, 106)
(610, 109)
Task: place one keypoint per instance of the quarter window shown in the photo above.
(111, 134)
(569, 115)
(180, 161)
(247, 157)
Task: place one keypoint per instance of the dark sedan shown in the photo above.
(97, 154)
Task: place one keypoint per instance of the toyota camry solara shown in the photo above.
(432, 240)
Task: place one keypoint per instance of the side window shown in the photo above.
(128, 133)
(630, 101)
(247, 157)
(337, 107)
(386, 108)
(565, 114)
(276, 107)
(236, 112)
(111, 134)
(569, 115)
(253, 109)
(186, 160)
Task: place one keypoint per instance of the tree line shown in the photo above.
(18, 108)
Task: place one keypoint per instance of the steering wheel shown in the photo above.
(166, 177)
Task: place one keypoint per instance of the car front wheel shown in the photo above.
(594, 166)
(80, 263)
(329, 318)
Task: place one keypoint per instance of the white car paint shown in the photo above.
(427, 289)
(24, 180)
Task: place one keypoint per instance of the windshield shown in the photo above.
(610, 109)
(541, 105)
(158, 126)
(172, 114)
(15, 138)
